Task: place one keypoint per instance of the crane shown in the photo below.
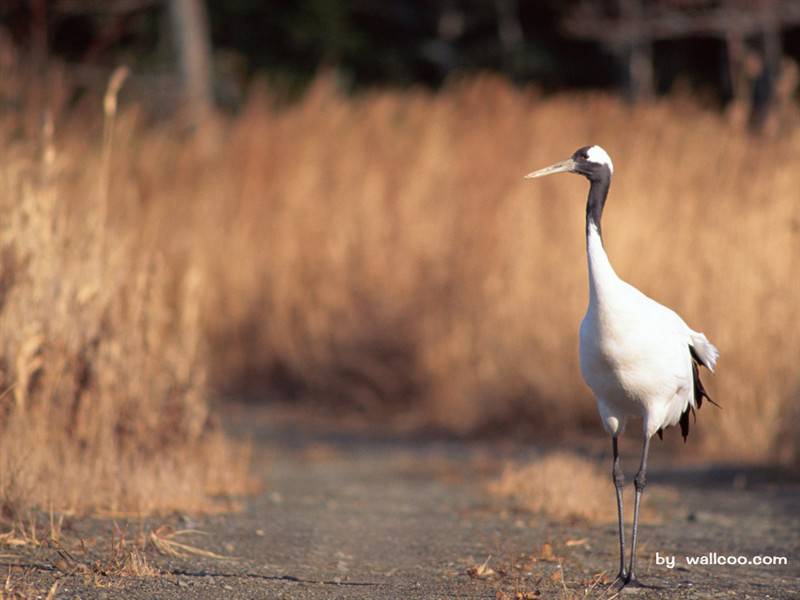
(639, 358)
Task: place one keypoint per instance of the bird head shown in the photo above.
(592, 162)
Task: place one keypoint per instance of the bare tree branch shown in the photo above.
(669, 21)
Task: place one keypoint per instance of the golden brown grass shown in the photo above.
(380, 253)
(565, 486)
(541, 487)
(102, 359)
(385, 251)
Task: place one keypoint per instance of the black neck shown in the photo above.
(598, 192)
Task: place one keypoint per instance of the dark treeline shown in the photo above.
(556, 43)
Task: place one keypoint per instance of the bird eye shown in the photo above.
(581, 154)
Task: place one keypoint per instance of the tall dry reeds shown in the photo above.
(379, 253)
(385, 252)
(103, 362)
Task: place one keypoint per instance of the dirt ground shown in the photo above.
(355, 514)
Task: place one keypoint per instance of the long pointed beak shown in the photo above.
(565, 166)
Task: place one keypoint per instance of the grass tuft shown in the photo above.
(565, 486)
(166, 542)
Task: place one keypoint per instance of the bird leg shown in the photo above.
(639, 482)
(619, 482)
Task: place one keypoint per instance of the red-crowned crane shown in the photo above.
(639, 357)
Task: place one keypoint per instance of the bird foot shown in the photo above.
(634, 585)
(619, 581)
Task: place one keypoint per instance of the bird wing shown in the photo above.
(703, 351)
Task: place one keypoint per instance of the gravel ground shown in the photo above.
(345, 515)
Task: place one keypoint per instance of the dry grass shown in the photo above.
(564, 486)
(379, 253)
(385, 252)
(102, 358)
(541, 487)
(19, 587)
(543, 575)
(126, 558)
(167, 542)
(102, 560)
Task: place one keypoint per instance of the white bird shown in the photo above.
(639, 357)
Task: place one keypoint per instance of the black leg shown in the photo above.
(619, 482)
(639, 482)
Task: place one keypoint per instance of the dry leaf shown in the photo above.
(483, 571)
(579, 542)
(546, 553)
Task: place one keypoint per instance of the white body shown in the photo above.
(635, 352)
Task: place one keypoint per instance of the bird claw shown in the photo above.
(634, 585)
(619, 581)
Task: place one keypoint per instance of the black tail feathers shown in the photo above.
(699, 393)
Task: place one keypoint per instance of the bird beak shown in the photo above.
(565, 166)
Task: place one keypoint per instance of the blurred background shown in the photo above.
(319, 205)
